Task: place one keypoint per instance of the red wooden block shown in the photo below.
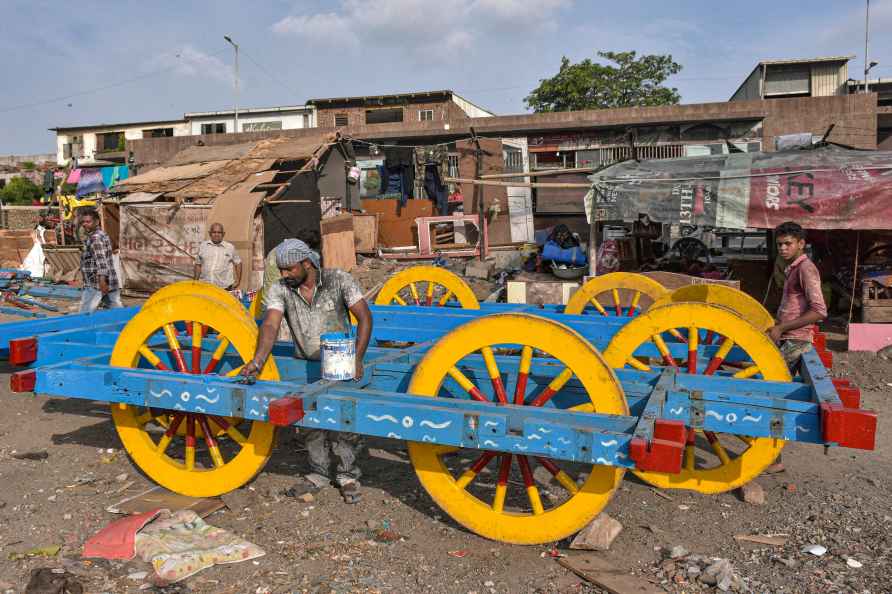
(23, 350)
(820, 341)
(826, 358)
(848, 427)
(286, 411)
(23, 381)
(849, 394)
(664, 452)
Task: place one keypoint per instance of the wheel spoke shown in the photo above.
(430, 293)
(664, 350)
(197, 332)
(634, 306)
(553, 388)
(399, 299)
(230, 429)
(210, 441)
(445, 298)
(693, 338)
(523, 373)
(717, 447)
(471, 473)
(174, 344)
(467, 385)
(616, 303)
(636, 364)
(171, 431)
(498, 503)
(747, 372)
(495, 375)
(709, 336)
(594, 301)
(719, 356)
(562, 477)
(152, 358)
(677, 335)
(531, 488)
(414, 291)
(144, 418)
(190, 442)
(218, 354)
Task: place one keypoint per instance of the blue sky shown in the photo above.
(91, 62)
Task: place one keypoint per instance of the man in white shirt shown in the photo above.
(218, 262)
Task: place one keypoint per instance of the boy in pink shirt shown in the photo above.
(802, 305)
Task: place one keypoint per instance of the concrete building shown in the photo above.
(809, 77)
(258, 119)
(104, 143)
(427, 106)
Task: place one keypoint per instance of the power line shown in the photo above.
(96, 89)
(268, 73)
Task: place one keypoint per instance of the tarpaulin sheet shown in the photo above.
(159, 244)
(824, 188)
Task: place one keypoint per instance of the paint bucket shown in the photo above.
(338, 354)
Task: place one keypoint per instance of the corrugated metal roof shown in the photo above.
(807, 60)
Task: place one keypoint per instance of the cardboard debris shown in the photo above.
(604, 574)
(777, 540)
(159, 497)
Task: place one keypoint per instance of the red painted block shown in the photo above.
(848, 427)
(820, 341)
(849, 394)
(23, 381)
(826, 358)
(286, 411)
(664, 452)
(23, 351)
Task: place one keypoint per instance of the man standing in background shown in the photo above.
(218, 262)
(101, 286)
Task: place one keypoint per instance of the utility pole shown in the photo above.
(235, 45)
(866, 42)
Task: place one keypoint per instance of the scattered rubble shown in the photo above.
(598, 535)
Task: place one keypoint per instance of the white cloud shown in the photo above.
(451, 25)
(193, 63)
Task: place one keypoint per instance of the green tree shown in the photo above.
(20, 190)
(629, 82)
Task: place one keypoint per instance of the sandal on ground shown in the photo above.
(301, 487)
(351, 493)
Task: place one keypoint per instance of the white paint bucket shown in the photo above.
(338, 352)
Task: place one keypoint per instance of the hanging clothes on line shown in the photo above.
(435, 188)
(90, 182)
(74, 176)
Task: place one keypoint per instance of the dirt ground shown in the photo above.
(839, 500)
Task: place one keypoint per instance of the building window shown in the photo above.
(306, 120)
(425, 115)
(213, 128)
(110, 141)
(158, 133)
(340, 120)
(384, 116)
(261, 126)
(452, 167)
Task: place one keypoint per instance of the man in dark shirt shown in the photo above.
(101, 285)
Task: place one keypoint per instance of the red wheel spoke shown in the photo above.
(174, 344)
(498, 503)
(430, 293)
(218, 354)
(523, 374)
(471, 473)
(152, 358)
(634, 306)
(467, 385)
(693, 337)
(562, 477)
(495, 376)
(197, 334)
(664, 351)
(553, 388)
(709, 336)
(616, 303)
(210, 441)
(531, 488)
(719, 357)
(190, 441)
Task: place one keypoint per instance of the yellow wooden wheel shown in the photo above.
(626, 290)
(197, 463)
(734, 299)
(713, 463)
(441, 287)
(461, 482)
(194, 287)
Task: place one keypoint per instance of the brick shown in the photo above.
(598, 535)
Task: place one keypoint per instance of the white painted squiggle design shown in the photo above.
(621, 456)
(199, 409)
(331, 421)
(803, 429)
(534, 436)
(442, 425)
(211, 390)
(206, 399)
(712, 413)
(609, 443)
(254, 412)
(602, 461)
(676, 411)
(393, 435)
(380, 418)
(490, 424)
(161, 394)
(752, 419)
(178, 406)
(544, 430)
(428, 438)
(490, 443)
(564, 440)
(327, 409)
(522, 448)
